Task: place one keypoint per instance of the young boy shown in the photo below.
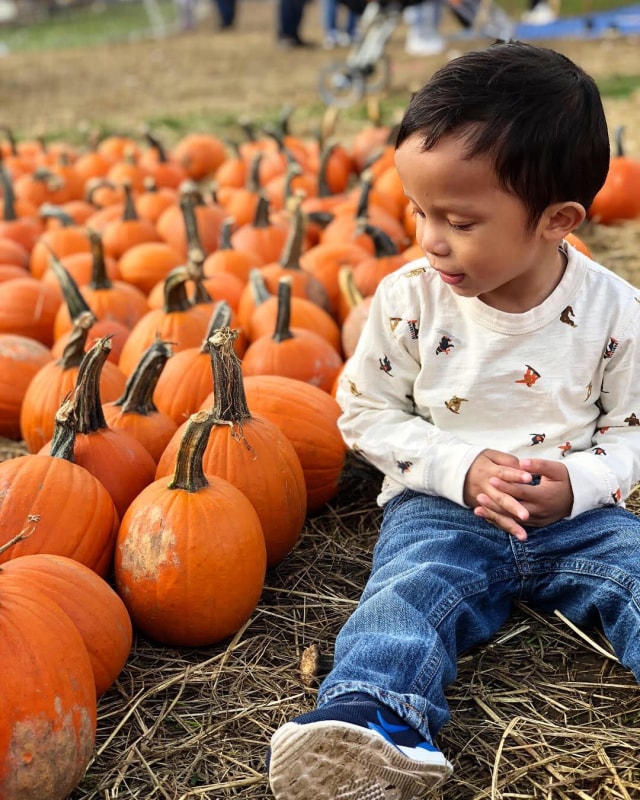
(497, 387)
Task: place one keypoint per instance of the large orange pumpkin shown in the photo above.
(47, 697)
(190, 554)
(250, 452)
(309, 418)
(87, 599)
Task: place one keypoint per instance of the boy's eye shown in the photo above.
(460, 226)
(416, 212)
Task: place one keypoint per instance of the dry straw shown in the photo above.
(543, 711)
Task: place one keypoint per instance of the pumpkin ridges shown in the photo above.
(77, 517)
(250, 452)
(190, 556)
(89, 602)
(121, 463)
(48, 698)
(309, 418)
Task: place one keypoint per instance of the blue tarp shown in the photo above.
(624, 21)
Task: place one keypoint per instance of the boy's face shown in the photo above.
(473, 232)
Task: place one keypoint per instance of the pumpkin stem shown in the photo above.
(293, 170)
(9, 213)
(348, 289)
(324, 189)
(99, 277)
(290, 258)
(156, 144)
(618, 136)
(258, 287)
(196, 271)
(284, 119)
(129, 214)
(220, 318)
(366, 182)
(25, 533)
(51, 211)
(93, 184)
(248, 128)
(86, 397)
(73, 352)
(261, 217)
(137, 397)
(175, 290)
(253, 175)
(230, 401)
(76, 304)
(188, 473)
(194, 244)
(64, 431)
(226, 229)
(383, 243)
(283, 318)
(328, 124)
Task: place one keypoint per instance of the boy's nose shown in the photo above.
(432, 241)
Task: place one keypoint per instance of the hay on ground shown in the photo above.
(542, 711)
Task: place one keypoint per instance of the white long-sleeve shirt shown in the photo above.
(438, 378)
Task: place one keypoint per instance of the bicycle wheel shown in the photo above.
(343, 85)
(340, 85)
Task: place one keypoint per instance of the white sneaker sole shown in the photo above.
(339, 761)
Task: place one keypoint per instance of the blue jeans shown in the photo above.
(443, 580)
(330, 12)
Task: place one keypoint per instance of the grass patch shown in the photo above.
(619, 86)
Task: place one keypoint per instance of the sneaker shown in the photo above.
(353, 748)
(540, 14)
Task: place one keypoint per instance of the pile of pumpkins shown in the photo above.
(172, 326)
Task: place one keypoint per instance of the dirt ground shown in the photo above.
(234, 73)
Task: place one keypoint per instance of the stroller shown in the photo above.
(367, 69)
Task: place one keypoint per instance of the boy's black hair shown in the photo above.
(532, 111)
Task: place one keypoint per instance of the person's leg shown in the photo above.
(227, 12)
(442, 580)
(588, 568)
(423, 23)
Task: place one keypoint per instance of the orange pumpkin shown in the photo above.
(72, 513)
(20, 359)
(190, 554)
(309, 418)
(619, 197)
(294, 352)
(90, 603)
(135, 411)
(120, 462)
(47, 697)
(250, 452)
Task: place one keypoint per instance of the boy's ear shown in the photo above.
(561, 218)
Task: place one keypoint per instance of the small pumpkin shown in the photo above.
(73, 514)
(119, 461)
(135, 411)
(294, 352)
(20, 359)
(619, 197)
